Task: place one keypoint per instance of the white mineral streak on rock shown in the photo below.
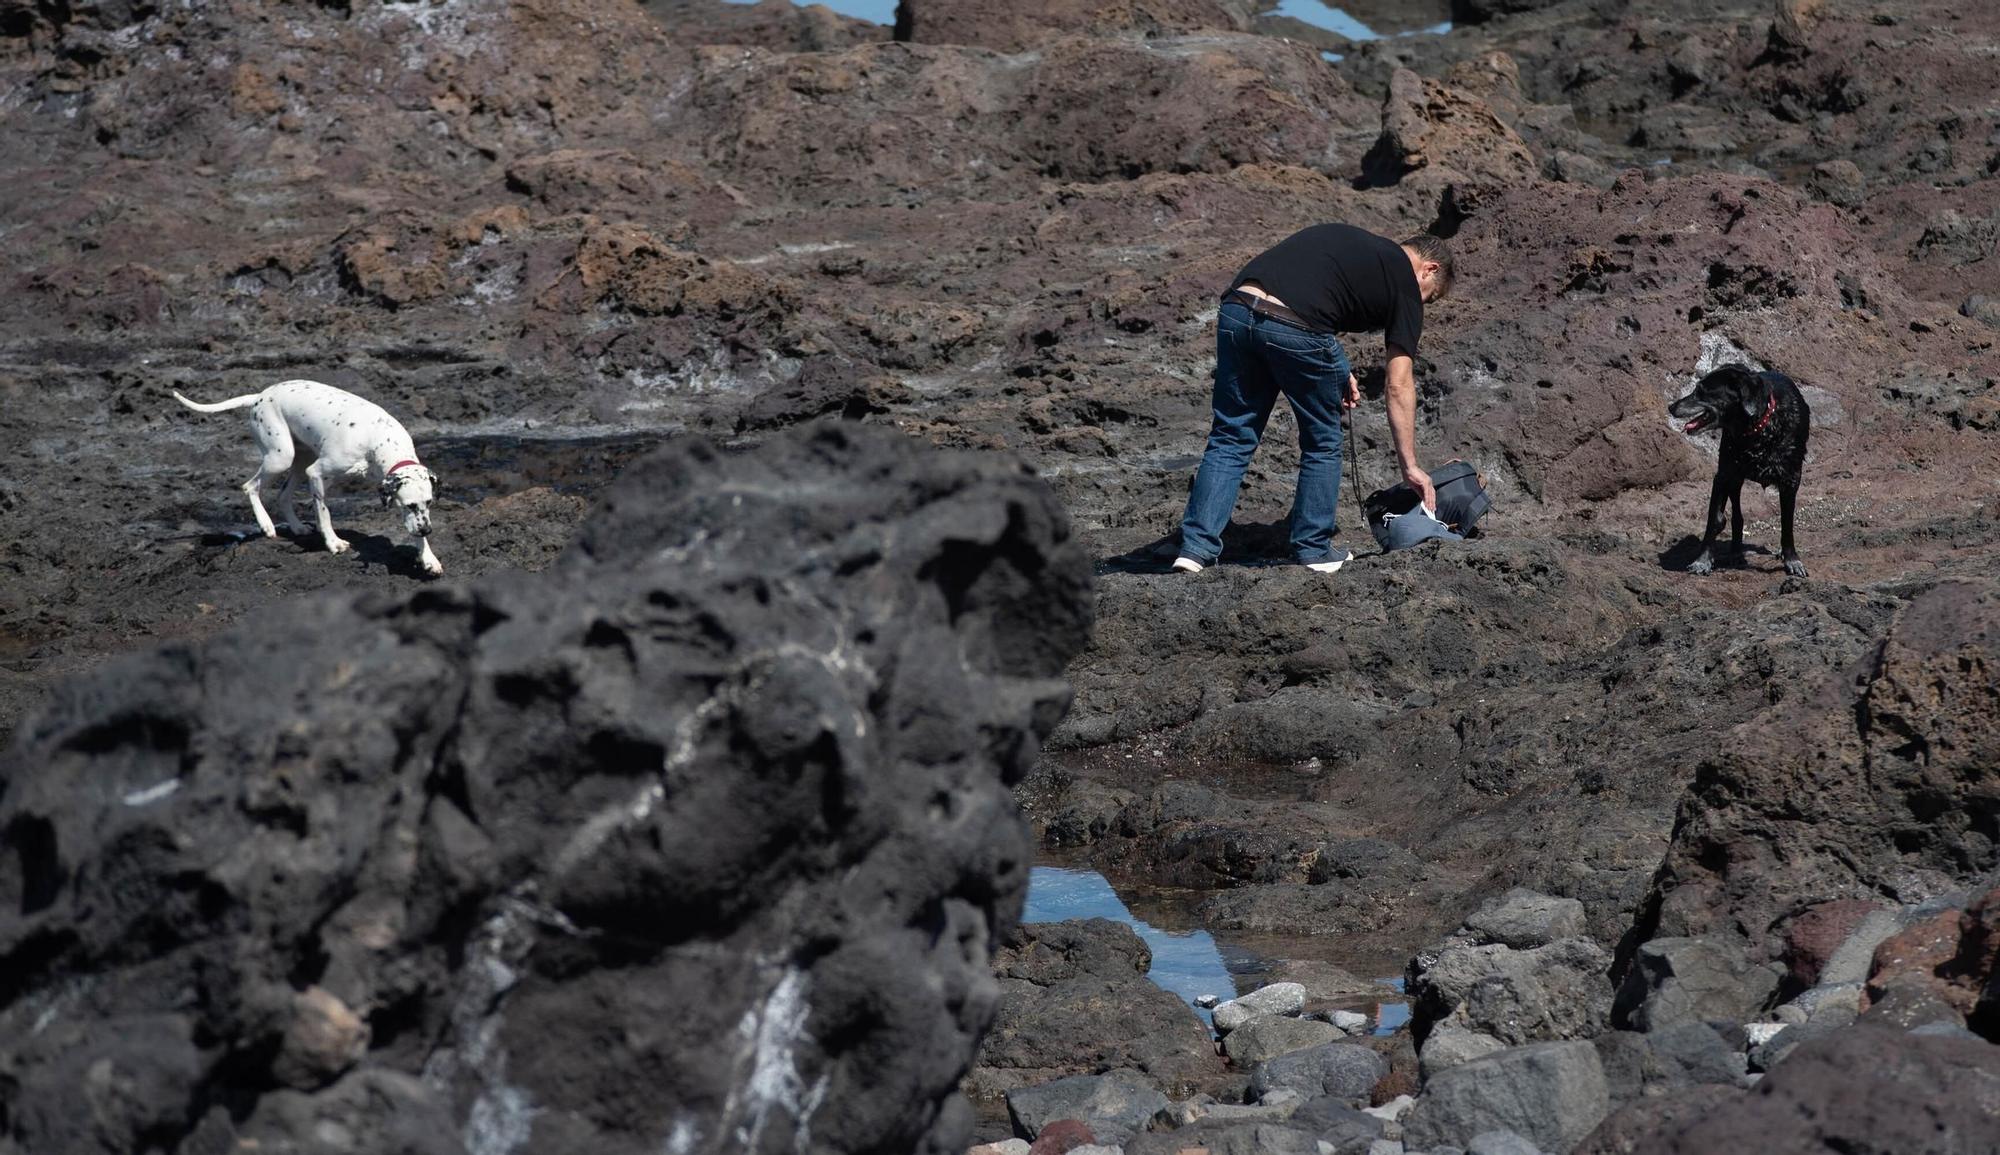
(770, 1035)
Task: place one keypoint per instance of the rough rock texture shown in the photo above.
(1882, 785)
(1112, 1106)
(1013, 27)
(1864, 1090)
(1344, 1071)
(549, 233)
(1955, 955)
(440, 868)
(1552, 1094)
(1075, 1000)
(1692, 980)
(1558, 991)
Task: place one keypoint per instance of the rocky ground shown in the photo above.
(549, 234)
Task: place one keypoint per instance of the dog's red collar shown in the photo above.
(1770, 407)
(406, 463)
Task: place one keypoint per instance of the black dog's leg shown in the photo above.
(1736, 521)
(1788, 497)
(1717, 499)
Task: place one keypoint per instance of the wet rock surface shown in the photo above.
(549, 235)
(441, 867)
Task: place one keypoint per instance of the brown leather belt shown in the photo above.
(1267, 308)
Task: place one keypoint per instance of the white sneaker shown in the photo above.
(1331, 564)
(1187, 565)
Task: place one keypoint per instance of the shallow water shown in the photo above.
(1190, 963)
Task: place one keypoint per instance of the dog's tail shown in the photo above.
(243, 402)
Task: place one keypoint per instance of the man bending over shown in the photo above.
(1277, 333)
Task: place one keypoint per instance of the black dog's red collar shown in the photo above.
(406, 462)
(1770, 407)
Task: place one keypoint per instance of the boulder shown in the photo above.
(1228, 1138)
(1343, 1071)
(1273, 1035)
(1880, 784)
(1501, 1142)
(1075, 1000)
(1956, 952)
(1651, 1117)
(1114, 1107)
(1523, 919)
(1558, 991)
(1552, 1094)
(1448, 1046)
(1275, 999)
(1687, 980)
(1865, 1089)
(752, 736)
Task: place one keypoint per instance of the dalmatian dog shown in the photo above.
(306, 430)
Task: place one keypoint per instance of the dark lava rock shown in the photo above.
(1018, 26)
(1550, 1093)
(1075, 1000)
(701, 840)
(1865, 1089)
(1882, 784)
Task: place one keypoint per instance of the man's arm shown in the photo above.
(1401, 396)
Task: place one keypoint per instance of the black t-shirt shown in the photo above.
(1343, 280)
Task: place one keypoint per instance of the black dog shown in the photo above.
(1764, 424)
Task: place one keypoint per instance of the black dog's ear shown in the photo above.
(1753, 394)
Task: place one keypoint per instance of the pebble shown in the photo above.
(1392, 1110)
(1352, 1022)
(1761, 1033)
(1207, 1002)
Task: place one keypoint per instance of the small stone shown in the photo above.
(1207, 1002)
(1789, 1013)
(1003, 1147)
(1276, 999)
(1393, 1110)
(1352, 1022)
(323, 1039)
(1761, 1033)
(1385, 1147)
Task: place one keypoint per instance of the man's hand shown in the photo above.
(1353, 397)
(1401, 393)
(1420, 481)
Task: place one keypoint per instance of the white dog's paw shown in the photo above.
(434, 567)
(337, 545)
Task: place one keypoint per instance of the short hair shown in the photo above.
(1434, 248)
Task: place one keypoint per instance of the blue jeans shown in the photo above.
(1257, 358)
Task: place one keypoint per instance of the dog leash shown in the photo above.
(1354, 462)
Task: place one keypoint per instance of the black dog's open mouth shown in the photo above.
(1697, 423)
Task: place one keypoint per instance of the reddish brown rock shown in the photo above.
(1956, 953)
(1882, 784)
(1817, 933)
(1014, 27)
(1061, 1137)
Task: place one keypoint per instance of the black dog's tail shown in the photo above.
(243, 402)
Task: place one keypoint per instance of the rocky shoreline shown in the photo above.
(1681, 864)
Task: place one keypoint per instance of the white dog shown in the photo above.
(306, 429)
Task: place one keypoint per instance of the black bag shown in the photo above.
(1461, 501)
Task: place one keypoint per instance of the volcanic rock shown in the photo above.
(1075, 1000)
(1552, 1094)
(1899, 760)
(494, 833)
(1866, 1089)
